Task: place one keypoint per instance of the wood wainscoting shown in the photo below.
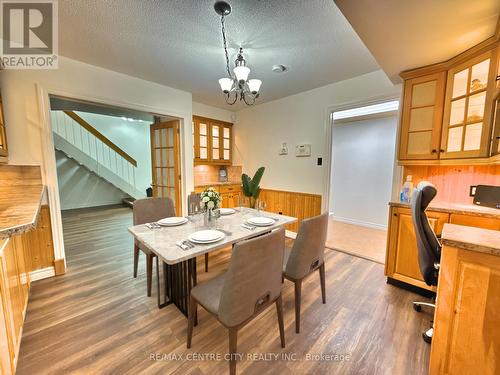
(299, 205)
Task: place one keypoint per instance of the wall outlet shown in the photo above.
(472, 190)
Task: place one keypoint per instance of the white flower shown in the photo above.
(210, 205)
(205, 199)
(202, 204)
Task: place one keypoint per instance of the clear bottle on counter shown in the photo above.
(407, 190)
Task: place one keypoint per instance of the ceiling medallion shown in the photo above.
(236, 86)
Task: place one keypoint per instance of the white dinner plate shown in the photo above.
(172, 221)
(226, 211)
(261, 221)
(206, 236)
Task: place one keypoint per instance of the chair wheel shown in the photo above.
(417, 307)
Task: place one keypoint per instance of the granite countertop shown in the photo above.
(19, 208)
(471, 238)
(218, 183)
(456, 208)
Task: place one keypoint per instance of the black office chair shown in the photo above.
(429, 247)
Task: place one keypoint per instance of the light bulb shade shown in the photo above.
(241, 73)
(254, 85)
(226, 84)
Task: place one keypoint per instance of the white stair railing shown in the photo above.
(108, 156)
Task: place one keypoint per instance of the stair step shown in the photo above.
(128, 201)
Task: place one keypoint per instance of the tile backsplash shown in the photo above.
(453, 182)
(207, 174)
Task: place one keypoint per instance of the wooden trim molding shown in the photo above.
(101, 137)
(59, 267)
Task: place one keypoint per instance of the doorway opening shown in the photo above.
(107, 155)
(362, 167)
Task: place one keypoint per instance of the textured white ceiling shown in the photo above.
(178, 42)
(406, 34)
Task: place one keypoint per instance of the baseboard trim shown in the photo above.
(43, 273)
(361, 223)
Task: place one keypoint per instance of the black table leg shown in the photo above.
(178, 280)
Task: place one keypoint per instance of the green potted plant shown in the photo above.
(251, 188)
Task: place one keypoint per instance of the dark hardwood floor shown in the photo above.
(97, 319)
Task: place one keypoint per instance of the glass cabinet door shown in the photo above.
(200, 140)
(226, 140)
(466, 122)
(422, 117)
(215, 131)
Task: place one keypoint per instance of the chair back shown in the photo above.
(147, 210)
(309, 247)
(193, 198)
(429, 248)
(253, 279)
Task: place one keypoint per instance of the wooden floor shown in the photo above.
(96, 319)
(368, 243)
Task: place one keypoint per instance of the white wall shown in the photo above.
(204, 110)
(79, 188)
(300, 118)
(24, 103)
(362, 169)
(133, 137)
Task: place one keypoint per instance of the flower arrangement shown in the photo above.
(210, 199)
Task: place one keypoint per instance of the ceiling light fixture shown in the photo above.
(236, 86)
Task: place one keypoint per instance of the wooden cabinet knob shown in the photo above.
(434, 151)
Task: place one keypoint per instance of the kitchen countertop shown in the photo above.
(456, 208)
(471, 238)
(19, 208)
(217, 183)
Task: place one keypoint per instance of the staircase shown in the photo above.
(80, 141)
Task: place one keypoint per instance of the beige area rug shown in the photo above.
(356, 240)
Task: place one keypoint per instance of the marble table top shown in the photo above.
(471, 238)
(162, 241)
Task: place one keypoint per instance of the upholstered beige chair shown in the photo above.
(149, 210)
(305, 257)
(251, 284)
(194, 198)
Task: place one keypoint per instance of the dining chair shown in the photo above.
(251, 284)
(305, 257)
(194, 199)
(149, 210)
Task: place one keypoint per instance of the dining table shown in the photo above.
(177, 254)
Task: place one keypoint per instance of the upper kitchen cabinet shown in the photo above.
(213, 141)
(469, 107)
(448, 110)
(3, 135)
(422, 116)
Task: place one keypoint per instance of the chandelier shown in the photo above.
(236, 86)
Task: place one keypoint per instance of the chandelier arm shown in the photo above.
(244, 96)
(227, 96)
(225, 45)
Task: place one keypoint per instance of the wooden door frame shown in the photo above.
(177, 166)
(48, 164)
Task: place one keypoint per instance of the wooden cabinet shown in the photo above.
(422, 117)
(466, 336)
(4, 152)
(402, 254)
(448, 110)
(14, 288)
(213, 141)
(469, 108)
(230, 194)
